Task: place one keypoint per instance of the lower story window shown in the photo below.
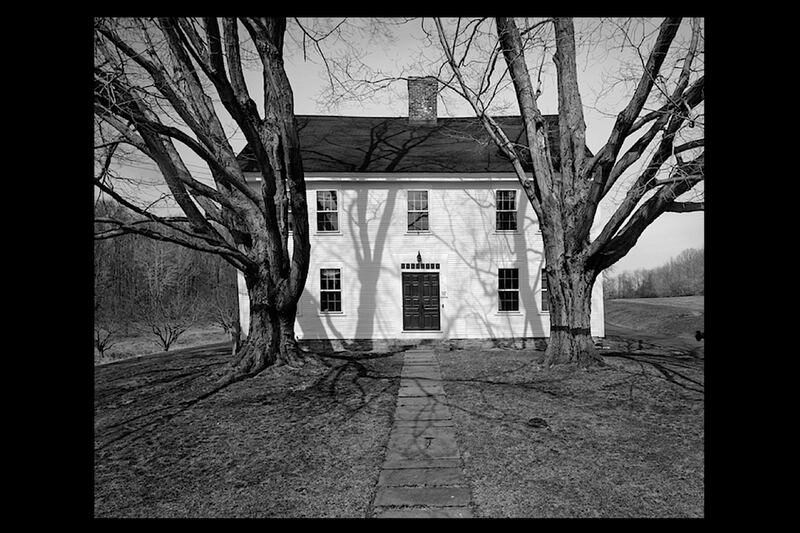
(330, 283)
(508, 289)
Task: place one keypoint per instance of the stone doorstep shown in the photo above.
(416, 512)
(422, 496)
(422, 463)
(421, 476)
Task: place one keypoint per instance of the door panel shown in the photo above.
(420, 300)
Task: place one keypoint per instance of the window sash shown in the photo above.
(418, 221)
(508, 300)
(508, 289)
(330, 283)
(417, 211)
(506, 210)
(327, 211)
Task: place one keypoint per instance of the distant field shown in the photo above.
(666, 321)
(138, 343)
(693, 303)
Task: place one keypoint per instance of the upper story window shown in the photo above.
(506, 210)
(508, 289)
(330, 290)
(545, 292)
(418, 211)
(327, 211)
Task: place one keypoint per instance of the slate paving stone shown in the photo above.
(422, 400)
(426, 431)
(420, 447)
(441, 512)
(421, 476)
(422, 424)
(429, 390)
(432, 371)
(434, 413)
(427, 496)
(422, 463)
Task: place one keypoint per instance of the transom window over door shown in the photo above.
(330, 290)
(506, 210)
(418, 211)
(508, 289)
(327, 211)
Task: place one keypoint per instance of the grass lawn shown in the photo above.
(625, 440)
(301, 443)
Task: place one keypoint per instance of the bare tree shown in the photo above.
(566, 188)
(105, 337)
(167, 87)
(168, 317)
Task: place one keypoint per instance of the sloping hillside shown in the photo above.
(665, 321)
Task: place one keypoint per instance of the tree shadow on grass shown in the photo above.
(665, 367)
(336, 384)
(490, 388)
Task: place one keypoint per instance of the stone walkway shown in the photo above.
(422, 475)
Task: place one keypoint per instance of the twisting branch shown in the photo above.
(607, 155)
(493, 129)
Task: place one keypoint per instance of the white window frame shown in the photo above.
(340, 290)
(498, 210)
(427, 211)
(518, 310)
(337, 231)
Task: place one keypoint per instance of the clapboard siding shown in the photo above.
(373, 241)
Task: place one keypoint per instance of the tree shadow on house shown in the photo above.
(516, 248)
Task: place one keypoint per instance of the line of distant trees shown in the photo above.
(683, 275)
(157, 288)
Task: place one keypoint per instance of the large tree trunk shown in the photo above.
(271, 338)
(570, 287)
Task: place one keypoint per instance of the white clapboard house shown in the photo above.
(419, 232)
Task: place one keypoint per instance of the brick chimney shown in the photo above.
(422, 93)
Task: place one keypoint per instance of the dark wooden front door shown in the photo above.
(420, 300)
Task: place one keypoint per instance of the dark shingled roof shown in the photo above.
(381, 144)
